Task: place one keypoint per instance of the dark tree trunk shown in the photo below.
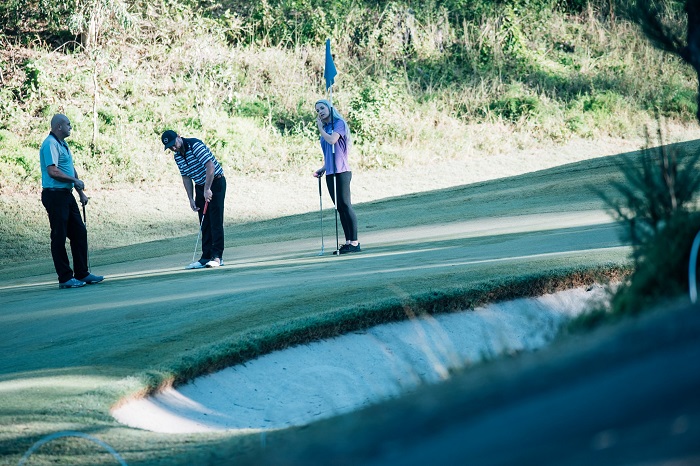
(691, 53)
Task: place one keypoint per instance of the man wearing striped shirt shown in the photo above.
(198, 166)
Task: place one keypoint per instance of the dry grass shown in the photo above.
(253, 104)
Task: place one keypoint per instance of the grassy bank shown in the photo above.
(153, 324)
(444, 80)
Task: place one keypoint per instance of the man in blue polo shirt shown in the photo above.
(58, 178)
(198, 166)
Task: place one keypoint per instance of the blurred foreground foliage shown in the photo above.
(657, 204)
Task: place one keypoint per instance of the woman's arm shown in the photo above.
(329, 138)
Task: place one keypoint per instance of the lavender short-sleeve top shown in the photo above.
(339, 163)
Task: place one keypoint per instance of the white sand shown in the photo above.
(322, 379)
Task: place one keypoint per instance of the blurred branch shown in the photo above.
(654, 18)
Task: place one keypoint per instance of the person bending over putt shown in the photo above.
(197, 165)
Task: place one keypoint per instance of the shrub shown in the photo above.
(656, 205)
(27, 17)
(514, 105)
(514, 108)
(661, 270)
(603, 103)
(660, 183)
(369, 110)
(677, 102)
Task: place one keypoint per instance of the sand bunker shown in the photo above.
(310, 382)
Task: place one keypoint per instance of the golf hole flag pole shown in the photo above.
(329, 74)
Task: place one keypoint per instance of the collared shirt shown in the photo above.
(55, 152)
(193, 163)
(338, 162)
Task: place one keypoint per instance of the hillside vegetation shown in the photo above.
(418, 82)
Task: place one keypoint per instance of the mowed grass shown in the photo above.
(68, 357)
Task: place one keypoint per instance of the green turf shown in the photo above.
(68, 356)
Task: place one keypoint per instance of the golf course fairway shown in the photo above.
(70, 356)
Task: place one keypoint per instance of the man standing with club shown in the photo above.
(199, 166)
(58, 178)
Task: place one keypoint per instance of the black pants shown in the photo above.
(348, 219)
(213, 225)
(65, 222)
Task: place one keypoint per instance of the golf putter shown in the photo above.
(320, 200)
(88, 249)
(206, 204)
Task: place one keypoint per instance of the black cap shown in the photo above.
(168, 138)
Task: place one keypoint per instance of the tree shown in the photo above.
(653, 16)
(91, 18)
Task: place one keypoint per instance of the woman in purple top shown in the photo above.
(335, 144)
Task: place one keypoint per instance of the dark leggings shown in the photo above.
(345, 210)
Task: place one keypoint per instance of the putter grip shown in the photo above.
(206, 204)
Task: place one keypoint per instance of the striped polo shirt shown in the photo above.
(192, 163)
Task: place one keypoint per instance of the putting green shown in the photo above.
(69, 356)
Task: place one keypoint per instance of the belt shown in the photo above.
(58, 189)
(215, 178)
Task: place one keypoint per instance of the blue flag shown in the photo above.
(330, 70)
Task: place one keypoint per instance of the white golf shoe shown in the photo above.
(215, 262)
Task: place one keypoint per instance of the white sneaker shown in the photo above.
(194, 265)
(215, 262)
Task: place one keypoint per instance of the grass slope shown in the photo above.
(115, 218)
(69, 356)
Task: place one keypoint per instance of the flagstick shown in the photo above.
(335, 176)
(329, 73)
